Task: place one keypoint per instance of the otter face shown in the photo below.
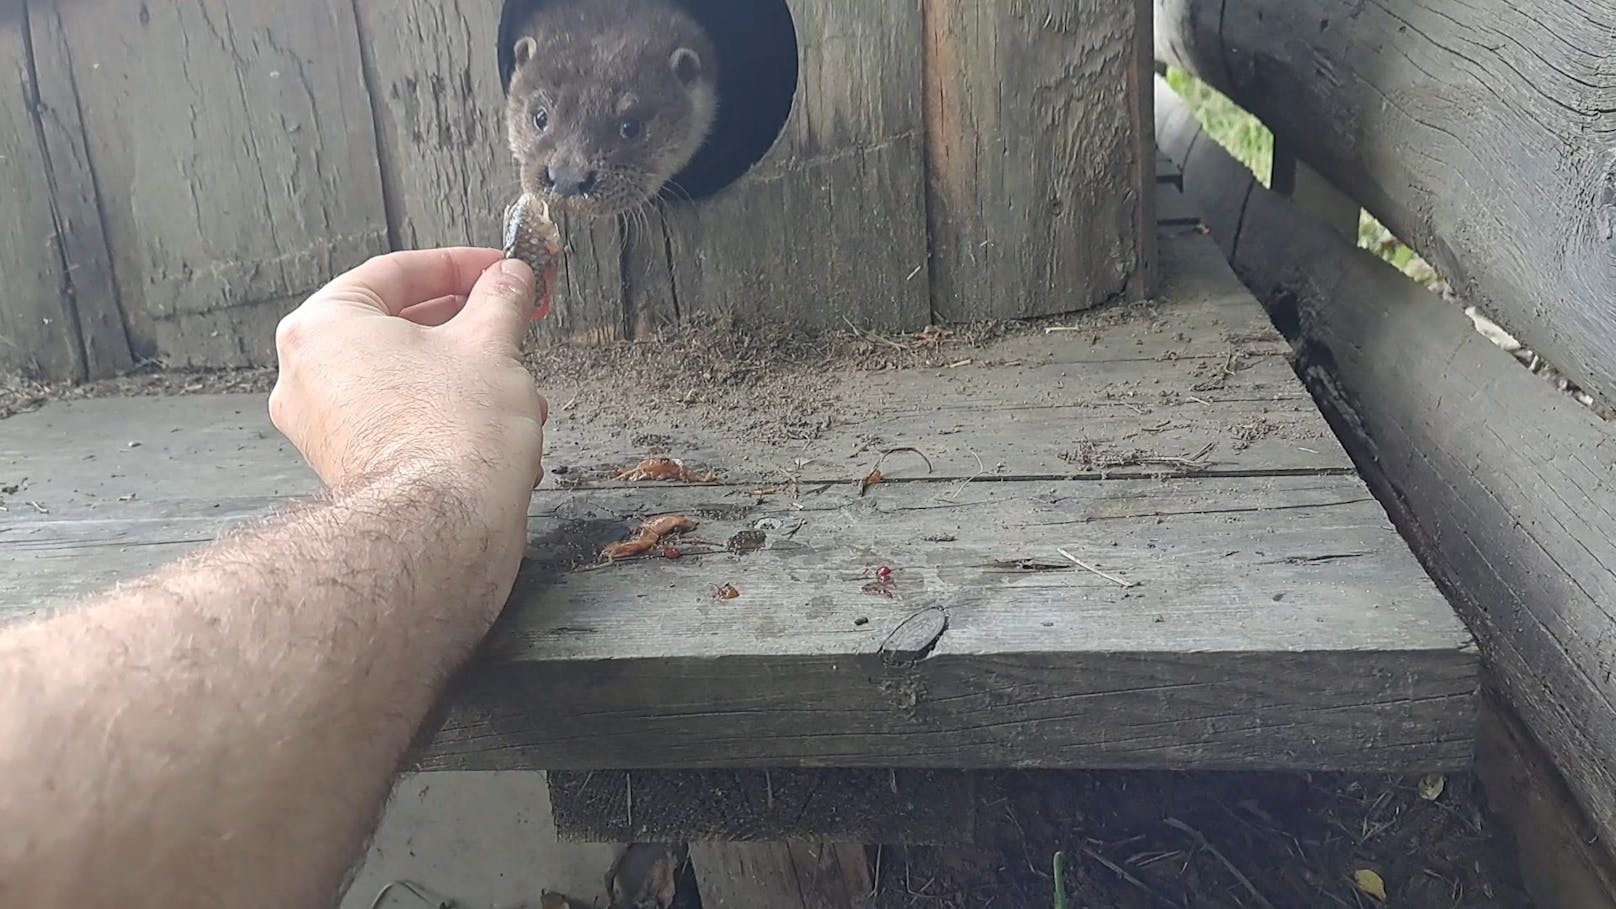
(598, 124)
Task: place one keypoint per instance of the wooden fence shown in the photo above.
(1481, 133)
(178, 175)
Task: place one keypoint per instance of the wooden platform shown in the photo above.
(1250, 604)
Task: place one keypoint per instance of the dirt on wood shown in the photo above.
(1152, 840)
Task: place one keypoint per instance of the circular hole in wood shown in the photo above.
(756, 43)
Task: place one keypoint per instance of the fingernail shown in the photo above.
(515, 268)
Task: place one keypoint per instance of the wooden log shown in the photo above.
(784, 875)
(1037, 179)
(1501, 482)
(233, 145)
(1478, 133)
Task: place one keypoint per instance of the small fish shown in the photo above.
(530, 235)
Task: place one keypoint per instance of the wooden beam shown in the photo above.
(1478, 133)
(1500, 481)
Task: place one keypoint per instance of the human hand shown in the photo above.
(410, 363)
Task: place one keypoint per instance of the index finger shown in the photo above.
(392, 282)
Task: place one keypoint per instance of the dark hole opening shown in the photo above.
(756, 42)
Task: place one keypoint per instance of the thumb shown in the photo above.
(500, 303)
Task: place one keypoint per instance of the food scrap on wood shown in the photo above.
(648, 536)
(884, 584)
(664, 469)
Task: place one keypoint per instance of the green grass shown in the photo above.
(1252, 144)
(1062, 901)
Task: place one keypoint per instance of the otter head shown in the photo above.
(602, 113)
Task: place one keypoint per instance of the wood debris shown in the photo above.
(664, 468)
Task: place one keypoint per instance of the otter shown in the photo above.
(608, 100)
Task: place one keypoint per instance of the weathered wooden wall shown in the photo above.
(1501, 482)
(179, 175)
(1480, 133)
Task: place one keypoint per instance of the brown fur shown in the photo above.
(592, 65)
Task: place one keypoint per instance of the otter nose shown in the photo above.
(569, 181)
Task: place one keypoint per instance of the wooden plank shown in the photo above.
(38, 335)
(1144, 380)
(847, 171)
(913, 807)
(1451, 432)
(1038, 156)
(1435, 117)
(1362, 665)
(785, 875)
(1562, 858)
(276, 187)
(80, 238)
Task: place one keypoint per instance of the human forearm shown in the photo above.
(223, 732)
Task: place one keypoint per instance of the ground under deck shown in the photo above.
(1259, 611)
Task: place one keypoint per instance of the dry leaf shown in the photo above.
(1370, 883)
(727, 592)
(1431, 786)
(873, 478)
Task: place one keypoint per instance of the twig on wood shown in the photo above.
(1092, 570)
(1202, 841)
(1051, 329)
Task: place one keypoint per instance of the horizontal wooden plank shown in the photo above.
(1276, 622)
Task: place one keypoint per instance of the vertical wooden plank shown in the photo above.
(74, 192)
(235, 146)
(37, 333)
(1037, 155)
(793, 875)
(432, 71)
(830, 225)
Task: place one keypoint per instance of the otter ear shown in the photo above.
(525, 49)
(686, 65)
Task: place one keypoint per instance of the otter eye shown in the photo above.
(630, 128)
(541, 118)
